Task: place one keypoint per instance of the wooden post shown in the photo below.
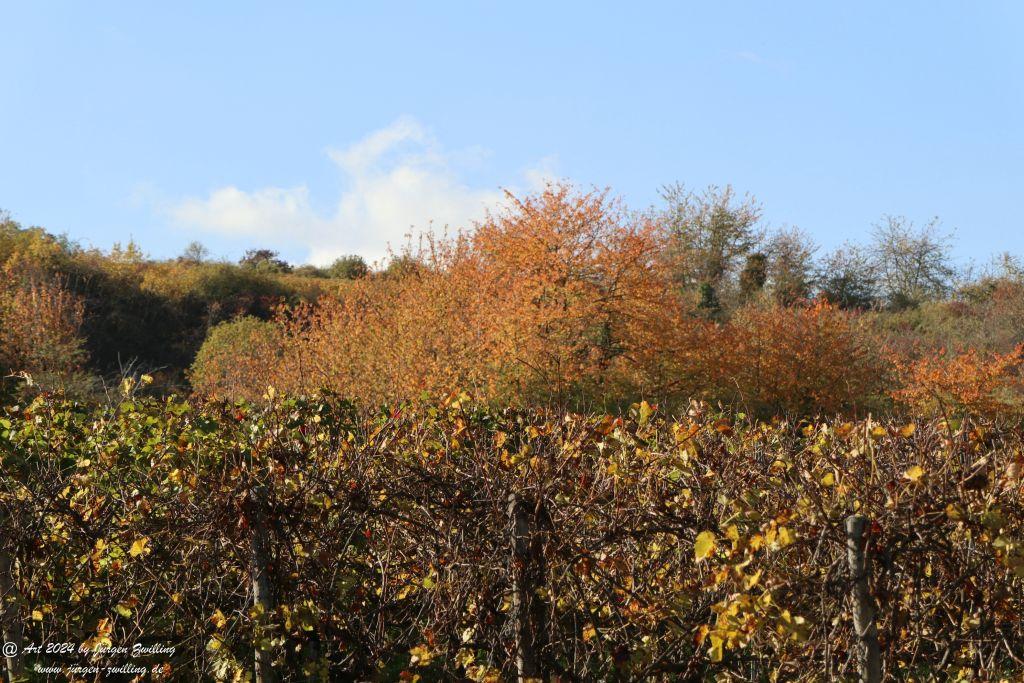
(527, 572)
(262, 590)
(10, 614)
(869, 659)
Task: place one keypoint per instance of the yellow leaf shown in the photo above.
(785, 537)
(218, 619)
(138, 547)
(589, 632)
(37, 615)
(704, 545)
(420, 656)
(645, 412)
(914, 473)
(907, 431)
(715, 653)
(828, 480)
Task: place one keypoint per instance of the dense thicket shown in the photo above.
(383, 546)
(563, 297)
(74, 317)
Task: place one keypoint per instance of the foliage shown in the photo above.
(236, 357)
(703, 547)
(847, 278)
(966, 382)
(560, 297)
(195, 252)
(40, 327)
(799, 360)
(913, 263)
(791, 266)
(349, 267)
(754, 276)
(711, 231)
(264, 261)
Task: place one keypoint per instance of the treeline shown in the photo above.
(304, 541)
(82, 319)
(562, 297)
(567, 298)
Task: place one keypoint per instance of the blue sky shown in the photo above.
(323, 128)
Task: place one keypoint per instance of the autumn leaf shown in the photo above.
(421, 655)
(907, 431)
(704, 545)
(139, 547)
(914, 474)
(218, 619)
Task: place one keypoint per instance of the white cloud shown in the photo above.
(397, 180)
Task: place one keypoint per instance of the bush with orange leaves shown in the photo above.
(964, 382)
(560, 297)
(40, 326)
(799, 360)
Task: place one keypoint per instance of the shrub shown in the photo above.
(40, 327)
(561, 298)
(800, 360)
(348, 268)
(632, 548)
(964, 382)
(237, 359)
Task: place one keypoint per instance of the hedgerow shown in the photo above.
(314, 541)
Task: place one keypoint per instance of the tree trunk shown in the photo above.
(528, 610)
(869, 660)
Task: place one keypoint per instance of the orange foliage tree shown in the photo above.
(967, 381)
(558, 297)
(800, 359)
(561, 297)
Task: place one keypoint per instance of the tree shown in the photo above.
(264, 261)
(710, 232)
(753, 276)
(402, 265)
(914, 264)
(791, 265)
(195, 252)
(351, 267)
(847, 278)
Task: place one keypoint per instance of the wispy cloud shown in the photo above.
(397, 179)
(748, 56)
